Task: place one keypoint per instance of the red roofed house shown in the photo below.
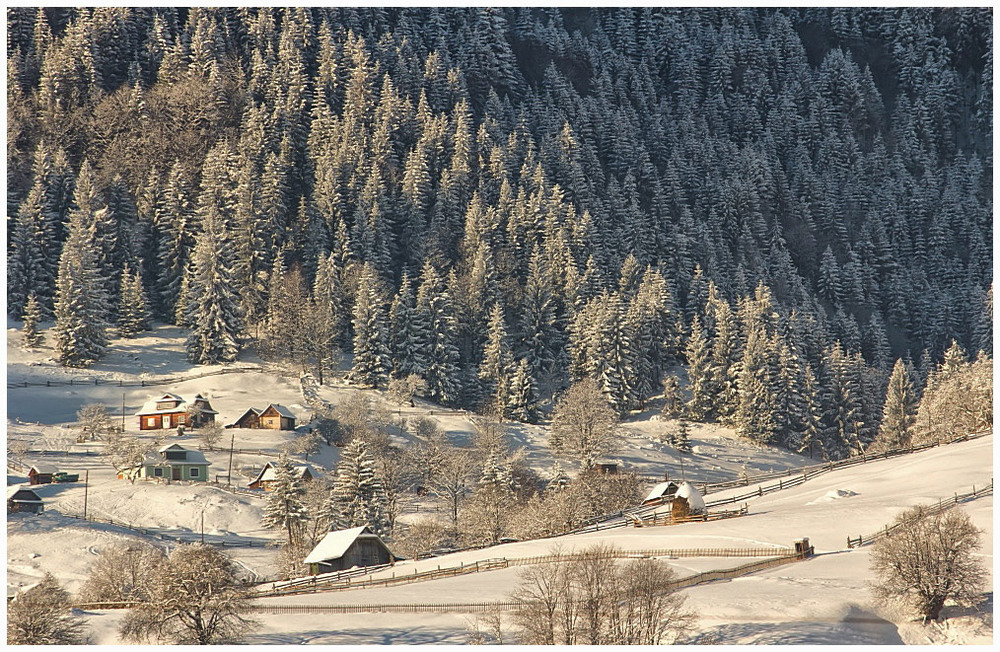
(171, 411)
(274, 416)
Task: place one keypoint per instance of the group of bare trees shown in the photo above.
(595, 600)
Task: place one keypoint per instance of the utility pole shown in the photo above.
(229, 476)
(202, 527)
(86, 486)
(123, 411)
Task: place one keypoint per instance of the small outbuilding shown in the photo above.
(269, 475)
(687, 501)
(41, 473)
(20, 499)
(343, 549)
(662, 491)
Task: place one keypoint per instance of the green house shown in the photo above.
(173, 462)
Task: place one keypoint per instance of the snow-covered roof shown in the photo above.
(191, 457)
(149, 407)
(253, 410)
(335, 544)
(281, 409)
(44, 468)
(269, 472)
(661, 490)
(695, 502)
(14, 488)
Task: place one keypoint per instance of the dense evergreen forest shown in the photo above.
(764, 208)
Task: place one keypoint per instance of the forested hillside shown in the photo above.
(494, 202)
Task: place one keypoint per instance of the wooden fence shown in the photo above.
(453, 607)
(192, 538)
(131, 383)
(344, 582)
(930, 510)
(803, 474)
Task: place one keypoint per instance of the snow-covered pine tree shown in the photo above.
(372, 358)
(673, 402)
(682, 439)
(755, 416)
(700, 376)
(81, 305)
(357, 497)
(807, 419)
(725, 353)
(27, 269)
(30, 337)
(522, 394)
(435, 308)
(408, 333)
(283, 506)
(899, 415)
(649, 322)
(215, 318)
(133, 314)
(840, 404)
(497, 366)
(540, 338)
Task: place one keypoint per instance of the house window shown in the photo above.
(157, 473)
(194, 472)
(151, 421)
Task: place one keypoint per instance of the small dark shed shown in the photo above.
(343, 549)
(41, 473)
(22, 499)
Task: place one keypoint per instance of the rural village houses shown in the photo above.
(274, 417)
(268, 476)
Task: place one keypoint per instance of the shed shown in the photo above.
(662, 491)
(249, 419)
(343, 549)
(22, 499)
(268, 475)
(41, 473)
(277, 417)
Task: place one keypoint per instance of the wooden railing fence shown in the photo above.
(930, 510)
(153, 382)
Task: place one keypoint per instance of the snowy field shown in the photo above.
(820, 601)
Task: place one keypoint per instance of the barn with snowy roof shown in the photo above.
(269, 475)
(343, 549)
(21, 499)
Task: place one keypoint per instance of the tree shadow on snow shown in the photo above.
(361, 637)
(857, 627)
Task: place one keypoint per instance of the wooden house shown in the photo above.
(274, 417)
(41, 473)
(21, 499)
(172, 462)
(343, 549)
(268, 476)
(171, 411)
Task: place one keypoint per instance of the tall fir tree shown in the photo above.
(899, 414)
(133, 313)
(358, 497)
(283, 506)
(435, 309)
(700, 374)
(30, 337)
(372, 357)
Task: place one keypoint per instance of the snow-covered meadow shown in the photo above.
(820, 601)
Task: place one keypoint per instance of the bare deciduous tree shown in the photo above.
(592, 599)
(211, 433)
(42, 616)
(402, 390)
(94, 420)
(196, 597)
(126, 453)
(584, 425)
(122, 573)
(929, 559)
(421, 537)
(453, 479)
